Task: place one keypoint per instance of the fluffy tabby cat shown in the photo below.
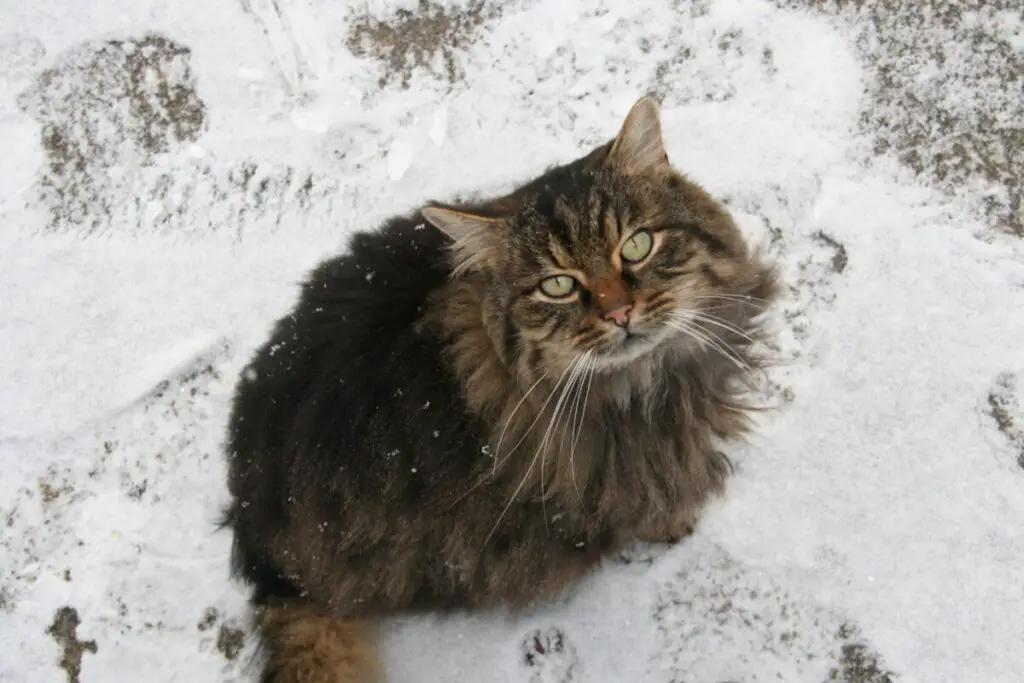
(477, 402)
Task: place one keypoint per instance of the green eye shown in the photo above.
(558, 286)
(638, 247)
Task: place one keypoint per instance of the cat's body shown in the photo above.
(418, 435)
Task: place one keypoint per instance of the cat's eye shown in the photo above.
(638, 247)
(558, 286)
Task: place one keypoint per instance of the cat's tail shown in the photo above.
(302, 644)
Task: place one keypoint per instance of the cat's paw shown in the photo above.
(549, 657)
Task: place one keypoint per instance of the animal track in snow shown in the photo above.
(549, 657)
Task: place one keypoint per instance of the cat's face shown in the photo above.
(613, 258)
(622, 265)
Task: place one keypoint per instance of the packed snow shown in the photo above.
(171, 170)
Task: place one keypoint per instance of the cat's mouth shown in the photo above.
(627, 345)
(631, 338)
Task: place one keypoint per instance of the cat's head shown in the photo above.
(616, 256)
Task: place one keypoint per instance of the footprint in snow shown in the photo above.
(549, 657)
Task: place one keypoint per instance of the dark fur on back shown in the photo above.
(401, 443)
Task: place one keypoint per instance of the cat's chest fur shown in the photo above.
(621, 450)
(640, 449)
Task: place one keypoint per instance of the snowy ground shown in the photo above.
(171, 169)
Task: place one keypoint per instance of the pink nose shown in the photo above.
(620, 315)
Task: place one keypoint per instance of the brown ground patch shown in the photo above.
(858, 663)
(64, 631)
(54, 485)
(945, 94)
(1004, 405)
(105, 108)
(840, 258)
(412, 40)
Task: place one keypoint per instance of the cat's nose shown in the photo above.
(619, 315)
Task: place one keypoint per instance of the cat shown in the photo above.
(479, 401)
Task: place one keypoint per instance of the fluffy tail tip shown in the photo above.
(302, 644)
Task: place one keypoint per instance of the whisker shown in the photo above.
(591, 369)
(540, 413)
(501, 437)
(555, 419)
(739, 298)
(733, 300)
(498, 463)
(718, 322)
(577, 361)
(709, 338)
(657, 307)
(717, 342)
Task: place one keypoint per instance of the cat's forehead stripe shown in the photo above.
(711, 242)
(558, 253)
(597, 202)
(611, 224)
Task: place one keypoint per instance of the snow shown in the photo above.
(875, 514)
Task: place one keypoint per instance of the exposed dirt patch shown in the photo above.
(716, 604)
(945, 93)
(412, 40)
(685, 80)
(840, 258)
(134, 489)
(1005, 406)
(64, 630)
(858, 663)
(54, 486)
(105, 108)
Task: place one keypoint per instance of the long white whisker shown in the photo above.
(686, 316)
(555, 419)
(574, 414)
(718, 322)
(497, 462)
(706, 337)
(722, 348)
(501, 437)
(540, 412)
(533, 462)
(735, 298)
(592, 368)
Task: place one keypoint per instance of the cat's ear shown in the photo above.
(475, 237)
(458, 225)
(639, 148)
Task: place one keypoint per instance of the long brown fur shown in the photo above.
(306, 645)
(430, 430)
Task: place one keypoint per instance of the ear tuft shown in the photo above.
(475, 237)
(639, 148)
(456, 224)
